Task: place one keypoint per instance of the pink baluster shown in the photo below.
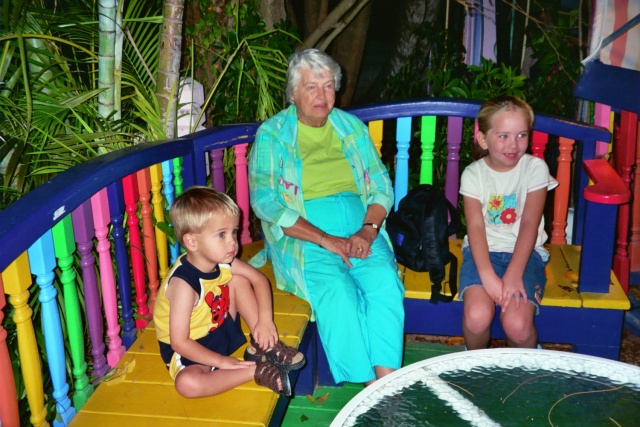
(151, 257)
(242, 190)
(101, 220)
(561, 193)
(539, 143)
(601, 117)
(83, 230)
(8, 397)
(624, 154)
(130, 188)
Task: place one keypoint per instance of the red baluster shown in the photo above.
(624, 155)
(136, 252)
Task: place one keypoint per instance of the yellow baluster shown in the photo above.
(17, 279)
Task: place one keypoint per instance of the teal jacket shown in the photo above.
(275, 175)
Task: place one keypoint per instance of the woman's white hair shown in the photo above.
(315, 60)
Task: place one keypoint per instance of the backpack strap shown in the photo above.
(436, 288)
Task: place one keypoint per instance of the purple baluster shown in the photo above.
(84, 234)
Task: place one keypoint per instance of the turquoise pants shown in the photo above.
(359, 310)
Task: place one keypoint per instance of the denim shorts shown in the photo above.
(534, 276)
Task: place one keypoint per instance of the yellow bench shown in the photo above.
(585, 320)
(140, 392)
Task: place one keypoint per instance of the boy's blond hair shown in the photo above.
(193, 208)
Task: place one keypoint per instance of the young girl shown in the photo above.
(503, 257)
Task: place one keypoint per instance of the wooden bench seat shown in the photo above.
(583, 319)
(140, 392)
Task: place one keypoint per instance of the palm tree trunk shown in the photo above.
(107, 26)
(169, 63)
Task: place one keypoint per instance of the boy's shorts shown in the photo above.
(534, 276)
(224, 340)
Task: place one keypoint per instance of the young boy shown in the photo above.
(197, 306)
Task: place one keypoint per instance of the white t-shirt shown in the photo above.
(503, 195)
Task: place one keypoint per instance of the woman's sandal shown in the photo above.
(267, 375)
(281, 355)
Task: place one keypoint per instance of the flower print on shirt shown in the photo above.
(501, 209)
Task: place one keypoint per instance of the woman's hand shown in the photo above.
(359, 245)
(513, 289)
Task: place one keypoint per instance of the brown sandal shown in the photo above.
(281, 355)
(267, 375)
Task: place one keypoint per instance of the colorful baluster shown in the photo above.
(136, 251)
(242, 190)
(427, 141)
(561, 193)
(42, 261)
(602, 117)
(177, 175)
(169, 194)
(17, 279)
(116, 210)
(634, 240)
(403, 139)
(64, 246)
(84, 232)
(539, 142)
(100, 209)
(454, 142)
(155, 172)
(8, 397)
(217, 169)
(625, 155)
(375, 132)
(149, 234)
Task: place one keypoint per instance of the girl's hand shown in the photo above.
(265, 334)
(494, 288)
(228, 362)
(513, 291)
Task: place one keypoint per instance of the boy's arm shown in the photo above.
(479, 246)
(265, 331)
(527, 235)
(182, 299)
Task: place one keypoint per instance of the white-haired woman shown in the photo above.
(322, 194)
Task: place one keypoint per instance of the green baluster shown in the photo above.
(65, 246)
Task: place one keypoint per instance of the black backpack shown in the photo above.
(419, 231)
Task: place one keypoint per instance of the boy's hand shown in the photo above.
(265, 334)
(228, 362)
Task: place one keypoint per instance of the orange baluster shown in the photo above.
(149, 233)
(561, 196)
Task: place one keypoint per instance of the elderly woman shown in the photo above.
(322, 194)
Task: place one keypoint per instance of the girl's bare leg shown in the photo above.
(518, 326)
(478, 312)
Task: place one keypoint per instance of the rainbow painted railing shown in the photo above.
(83, 255)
